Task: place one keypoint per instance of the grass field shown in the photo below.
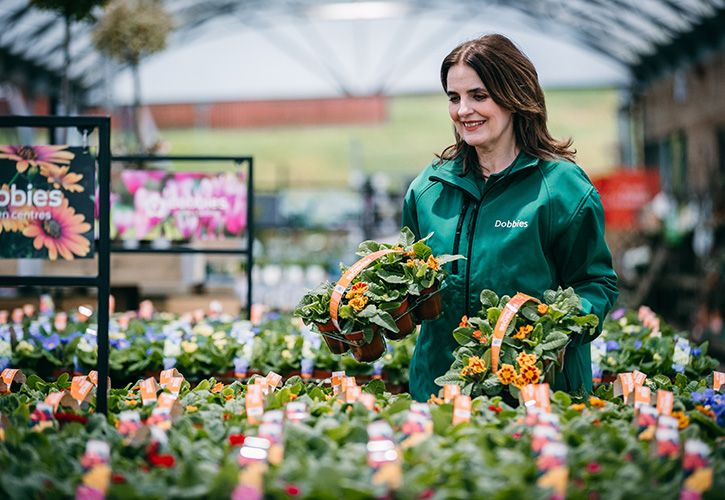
(417, 127)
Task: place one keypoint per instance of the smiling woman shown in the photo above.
(507, 196)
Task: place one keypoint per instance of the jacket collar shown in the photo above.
(449, 172)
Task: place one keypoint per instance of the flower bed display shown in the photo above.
(219, 345)
(345, 441)
(640, 340)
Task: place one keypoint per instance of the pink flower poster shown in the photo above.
(178, 206)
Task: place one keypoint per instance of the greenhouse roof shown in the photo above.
(646, 37)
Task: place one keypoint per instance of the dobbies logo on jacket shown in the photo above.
(511, 223)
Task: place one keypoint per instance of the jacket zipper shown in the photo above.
(459, 230)
(471, 234)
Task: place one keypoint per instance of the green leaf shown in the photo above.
(489, 299)
(562, 398)
(376, 387)
(450, 377)
(406, 237)
(555, 340)
(385, 320)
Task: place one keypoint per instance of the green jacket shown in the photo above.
(537, 225)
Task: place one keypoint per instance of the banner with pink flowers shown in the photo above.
(178, 206)
(46, 202)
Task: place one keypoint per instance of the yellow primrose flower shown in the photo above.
(475, 366)
(189, 346)
(410, 263)
(24, 346)
(530, 374)
(519, 382)
(287, 354)
(220, 344)
(525, 359)
(191, 409)
(219, 335)
(578, 407)
(506, 374)
(203, 329)
(358, 303)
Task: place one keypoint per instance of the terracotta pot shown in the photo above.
(404, 322)
(367, 353)
(336, 346)
(430, 304)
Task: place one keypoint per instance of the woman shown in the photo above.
(510, 199)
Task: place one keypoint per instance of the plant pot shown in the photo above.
(367, 353)
(336, 346)
(430, 304)
(404, 322)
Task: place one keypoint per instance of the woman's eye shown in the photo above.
(481, 97)
(453, 98)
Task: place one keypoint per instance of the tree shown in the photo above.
(75, 11)
(129, 31)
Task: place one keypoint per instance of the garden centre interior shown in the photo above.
(184, 182)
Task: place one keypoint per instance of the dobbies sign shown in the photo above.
(46, 204)
(178, 206)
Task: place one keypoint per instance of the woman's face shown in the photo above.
(479, 121)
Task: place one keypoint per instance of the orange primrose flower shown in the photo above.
(682, 420)
(542, 309)
(217, 388)
(435, 400)
(523, 332)
(464, 321)
(433, 263)
(595, 401)
(480, 337)
(705, 411)
(357, 289)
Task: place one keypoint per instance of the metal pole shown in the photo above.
(250, 236)
(104, 260)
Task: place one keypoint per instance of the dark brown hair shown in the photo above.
(512, 82)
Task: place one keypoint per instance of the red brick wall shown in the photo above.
(238, 114)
